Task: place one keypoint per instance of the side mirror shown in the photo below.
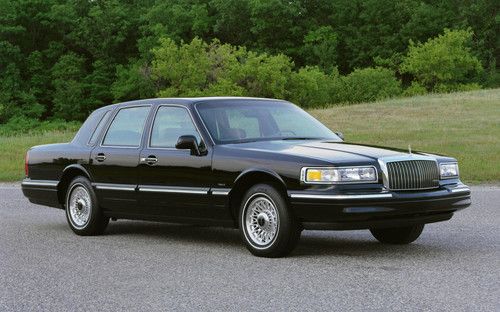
(188, 142)
(340, 135)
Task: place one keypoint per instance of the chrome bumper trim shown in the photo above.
(40, 183)
(361, 196)
(460, 190)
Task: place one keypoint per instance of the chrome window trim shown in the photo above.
(153, 122)
(174, 189)
(409, 157)
(40, 183)
(303, 171)
(113, 119)
(449, 163)
(340, 196)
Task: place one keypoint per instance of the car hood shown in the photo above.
(325, 150)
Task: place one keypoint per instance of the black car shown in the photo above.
(261, 165)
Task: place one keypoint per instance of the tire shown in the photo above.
(266, 225)
(83, 213)
(398, 236)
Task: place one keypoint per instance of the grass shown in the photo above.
(13, 149)
(462, 125)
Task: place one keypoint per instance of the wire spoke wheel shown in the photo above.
(261, 220)
(80, 206)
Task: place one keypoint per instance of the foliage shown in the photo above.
(371, 84)
(446, 59)
(198, 68)
(415, 89)
(64, 58)
(310, 87)
(20, 125)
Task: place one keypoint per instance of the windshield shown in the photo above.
(231, 121)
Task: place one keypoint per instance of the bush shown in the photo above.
(446, 60)
(415, 89)
(198, 68)
(370, 84)
(21, 124)
(310, 87)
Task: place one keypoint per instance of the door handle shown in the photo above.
(150, 160)
(100, 157)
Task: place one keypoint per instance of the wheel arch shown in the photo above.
(68, 174)
(247, 179)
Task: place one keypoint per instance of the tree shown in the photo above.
(446, 59)
(70, 100)
(320, 47)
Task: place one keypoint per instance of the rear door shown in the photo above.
(114, 162)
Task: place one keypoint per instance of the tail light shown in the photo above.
(26, 159)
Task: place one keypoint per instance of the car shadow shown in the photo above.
(312, 243)
(357, 244)
(179, 232)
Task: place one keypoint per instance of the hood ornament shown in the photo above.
(409, 149)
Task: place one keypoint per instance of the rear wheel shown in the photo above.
(267, 226)
(400, 235)
(82, 209)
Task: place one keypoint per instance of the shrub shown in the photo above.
(310, 87)
(446, 59)
(415, 89)
(370, 84)
(198, 68)
(21, 124)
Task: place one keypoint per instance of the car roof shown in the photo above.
(189, 100)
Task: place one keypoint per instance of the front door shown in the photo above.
(175, 182)
(114, 162)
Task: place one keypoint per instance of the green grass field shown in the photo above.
(463, 125)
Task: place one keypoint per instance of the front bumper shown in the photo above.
(355, 210)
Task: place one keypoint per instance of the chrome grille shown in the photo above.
(412, 174)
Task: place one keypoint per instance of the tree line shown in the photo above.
(61, 59)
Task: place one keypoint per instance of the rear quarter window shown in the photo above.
(98, 129)
(83, 135)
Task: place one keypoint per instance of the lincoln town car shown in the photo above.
(263, 166)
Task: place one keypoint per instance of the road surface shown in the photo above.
(145, 266)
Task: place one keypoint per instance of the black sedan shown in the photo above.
(261, 165)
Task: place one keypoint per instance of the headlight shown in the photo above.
(448, 170)
(333, 175)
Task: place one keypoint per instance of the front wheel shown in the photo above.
(82, 209)
(267, 226)
(400, 235)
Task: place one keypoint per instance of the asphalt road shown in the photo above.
(143, 266)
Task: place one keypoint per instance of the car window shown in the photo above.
(127, 127)
(98, 129)
(244, 121)
(240, 126)
(170, 123)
